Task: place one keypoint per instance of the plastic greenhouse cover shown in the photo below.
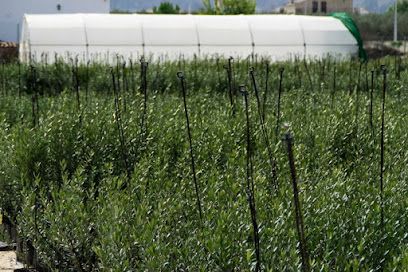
(276, 30)
(104, 36)
(62, 29)
(106, 30)
(168, 30)
(223, 30)
(324, 31)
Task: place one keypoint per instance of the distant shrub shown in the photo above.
(166, 8)
(378, 27)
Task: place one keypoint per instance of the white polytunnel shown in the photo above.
(169, 35)
(280, 37)
(108, 36)
(324, 36)
(224, 35)
(104, 37)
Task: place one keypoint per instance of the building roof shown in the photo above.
(295, 2)
(7, 44)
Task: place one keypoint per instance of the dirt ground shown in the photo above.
(8, 261)
(377, 50)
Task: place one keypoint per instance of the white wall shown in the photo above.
(12, 11)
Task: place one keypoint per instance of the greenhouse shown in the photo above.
(103, 37)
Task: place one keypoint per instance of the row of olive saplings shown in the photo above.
(321, 67)
(28, 80)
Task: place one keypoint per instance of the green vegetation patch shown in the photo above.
(65, 184)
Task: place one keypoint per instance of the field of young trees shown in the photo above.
(231, 165)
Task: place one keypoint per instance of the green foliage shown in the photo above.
(61, 181)
(402, 7)
(229, 6)
(396, 44)
(380, 27)
(166, 8)
(209, 8)
(238, 6)
(119, 11)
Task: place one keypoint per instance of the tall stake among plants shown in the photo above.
(358, 88)
(350, 76)
(297, 69)
(230, 64)
(308, 73)
(144, 66)
(120, 129)
(34, 97)
(279, 104)
(142, 75)
(266, 90)
(399, 68)
(334, 84)
(384, 72)
(359, 77)
(124, 77)
(132, 83)
(371, 102)
(218, 72)
(124, 85)
(228, 69)
(328, 65)
(250, 181)
(76, 89)
(118, 74)
(265, 133)
(366, 77)
(183, 90)
(87, 80)
(298, 211)
(19, 78)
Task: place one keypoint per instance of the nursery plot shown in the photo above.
(119, 168)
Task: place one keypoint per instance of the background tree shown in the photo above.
(208, 7)
(238, 6)
(402, 7)
(380, 27)
(229, 6)
(166, 8)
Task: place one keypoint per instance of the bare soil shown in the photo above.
(8, 261)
